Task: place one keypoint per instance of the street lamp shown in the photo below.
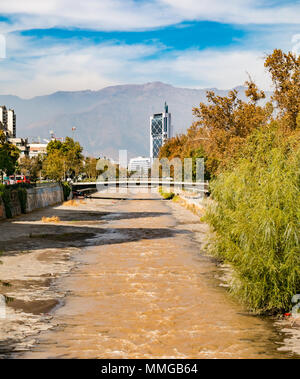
(73, 131)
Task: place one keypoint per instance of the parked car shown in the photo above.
(19, 179)
(12, 179)
(26, 179)
(6, 180)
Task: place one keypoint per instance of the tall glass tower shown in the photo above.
(160, 131)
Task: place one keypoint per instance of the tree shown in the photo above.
(223, 125)
(66, 157)
(31, 166)
(285, 73)
(90, 167)
(255, 216)
(72, 152)
(220, 129)
(9, 155)
(54, 166)
(54, 145)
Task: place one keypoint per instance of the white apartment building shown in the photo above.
(11, 123)
(36, 149)
(21, 144)
(8, 121)
(139, 164)
(3, 118)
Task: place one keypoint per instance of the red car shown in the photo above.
(22, 179)
(26, 179)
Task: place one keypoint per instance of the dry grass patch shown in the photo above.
(53, 219)
(71, 203)
(197, 210)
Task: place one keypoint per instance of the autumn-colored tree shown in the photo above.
(285, 73)
(220, 129)
(174, 147)
(225, 122)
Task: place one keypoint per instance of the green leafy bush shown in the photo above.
(5, 195)
(166, 195)
(66, 189)
(22, 194)
(256, 218)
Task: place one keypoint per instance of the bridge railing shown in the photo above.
(197, 187)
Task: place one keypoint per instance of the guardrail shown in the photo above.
(197, 187)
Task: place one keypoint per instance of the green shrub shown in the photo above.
(20, 185)
(66, 189)
(166, 195)
(256, 217)
(5, 195)
(22, 195)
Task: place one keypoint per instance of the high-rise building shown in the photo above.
(160, 131)
(11, 123)
(8, 121)
(3, 118)
(8, 125)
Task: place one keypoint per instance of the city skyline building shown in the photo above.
(160, 131)
(11, 123)
(3, 119)
(140, 165)
(8, 121)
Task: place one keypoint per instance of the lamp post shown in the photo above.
(73, 131)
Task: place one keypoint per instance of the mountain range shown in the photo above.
(107, 120)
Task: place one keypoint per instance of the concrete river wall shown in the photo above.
(37, 197)
(41, 197)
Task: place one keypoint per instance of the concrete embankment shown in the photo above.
(41, 197)
(37, 197)
(194, 202)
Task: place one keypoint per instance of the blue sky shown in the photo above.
(76, 45)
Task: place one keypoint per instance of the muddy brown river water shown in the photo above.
(145, 289)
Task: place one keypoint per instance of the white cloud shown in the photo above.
(88, 14)
(136, 15)
(207, 68)
(237, 11)
(39, 67)
(296, 44)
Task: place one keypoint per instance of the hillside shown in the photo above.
(109, 119)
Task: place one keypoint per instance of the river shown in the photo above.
(145, 289)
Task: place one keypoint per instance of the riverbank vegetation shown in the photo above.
(9, 155)
(252, 155)
(166, 195)
(17, 192)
